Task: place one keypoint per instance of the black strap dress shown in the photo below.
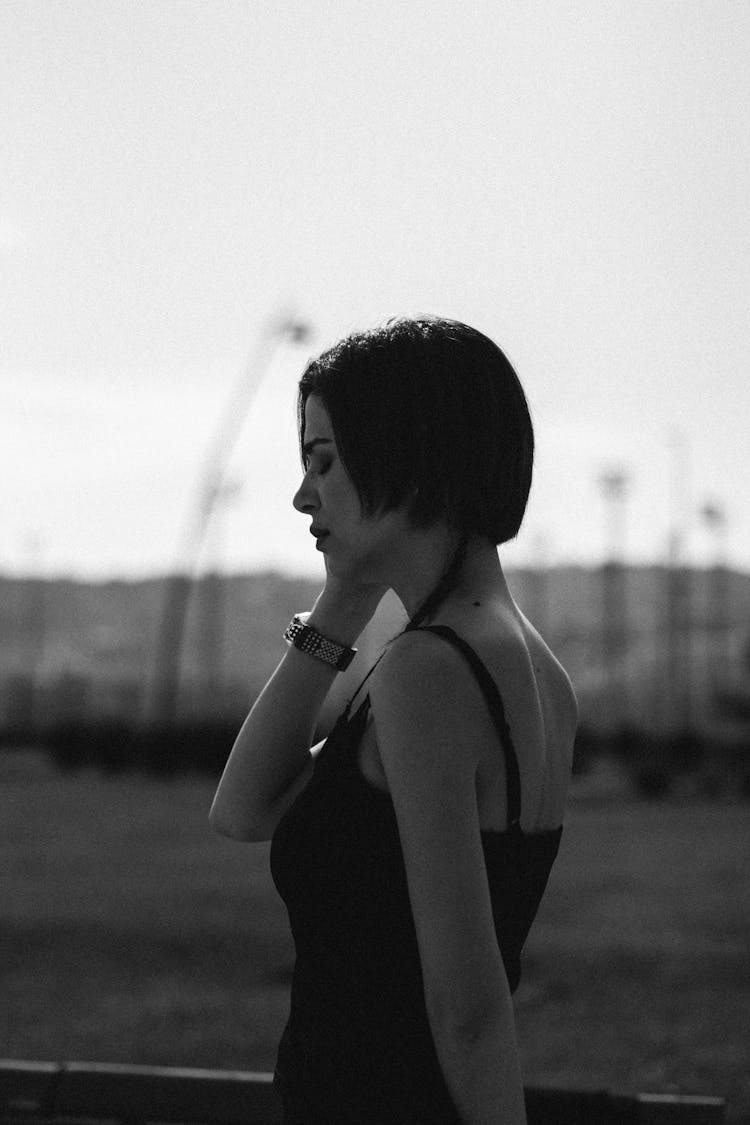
(357, 1049)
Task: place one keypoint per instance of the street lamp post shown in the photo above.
(717, 632)
(678, 695)
(164, 699)
(614, 483)
(212, 594)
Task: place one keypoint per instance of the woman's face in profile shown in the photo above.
(355, 545)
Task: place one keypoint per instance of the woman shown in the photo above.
(412, 848)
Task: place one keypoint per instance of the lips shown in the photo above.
(320, 536)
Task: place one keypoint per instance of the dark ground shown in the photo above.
(131, 933)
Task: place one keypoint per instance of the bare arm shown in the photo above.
(422, 700)
(271, 760)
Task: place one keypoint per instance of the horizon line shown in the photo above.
(292, 574)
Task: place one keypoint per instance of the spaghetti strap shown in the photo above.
(362, 683)
(495, 704)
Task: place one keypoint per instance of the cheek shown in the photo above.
(341, 496)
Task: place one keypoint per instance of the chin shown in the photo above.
(351, 569)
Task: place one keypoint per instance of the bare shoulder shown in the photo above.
(420, 669)
(424, 689)
(422, 672)
(414, 660)
(422, 697)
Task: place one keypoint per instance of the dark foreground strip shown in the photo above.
(47, 1093)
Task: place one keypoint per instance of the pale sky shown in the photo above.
(570, 177)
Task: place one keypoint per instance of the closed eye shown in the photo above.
(322, 467)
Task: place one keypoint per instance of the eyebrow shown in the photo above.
(308, 447)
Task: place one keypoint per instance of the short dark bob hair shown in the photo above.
(428, 412)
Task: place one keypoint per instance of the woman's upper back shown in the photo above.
(539, 705)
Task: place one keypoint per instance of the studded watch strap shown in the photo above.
(307, 639)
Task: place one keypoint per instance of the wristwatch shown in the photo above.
(307, 639)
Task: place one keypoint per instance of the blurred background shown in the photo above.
(196, 198)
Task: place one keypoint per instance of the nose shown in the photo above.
(304, 499)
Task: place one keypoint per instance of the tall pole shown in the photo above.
(613, 483)
(717, 631)
(212, 593)
(163, 704)
(678, 694)
(26, 701)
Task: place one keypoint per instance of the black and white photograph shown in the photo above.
(374, 562)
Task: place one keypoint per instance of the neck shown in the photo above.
(480, 576)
